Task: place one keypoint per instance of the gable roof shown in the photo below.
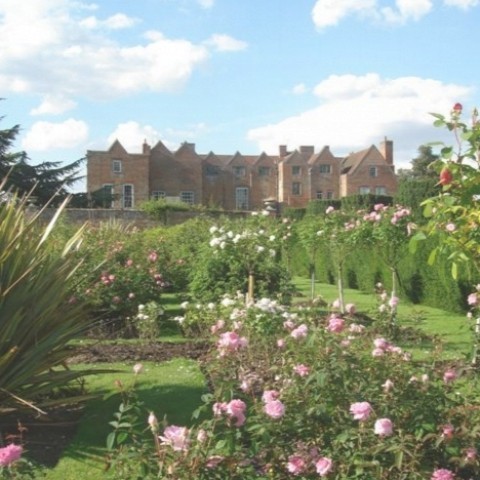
(352, 162)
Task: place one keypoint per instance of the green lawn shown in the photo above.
(172, 388)
(453, 329)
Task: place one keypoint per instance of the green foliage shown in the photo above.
(413, 191)
(159, 209)
(237, 250)
(38, 315)
(315, 378)
(46, 182)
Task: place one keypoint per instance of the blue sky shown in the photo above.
(234, 75)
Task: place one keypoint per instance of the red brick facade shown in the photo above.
(238, 182)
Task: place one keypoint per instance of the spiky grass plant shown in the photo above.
(37, 316)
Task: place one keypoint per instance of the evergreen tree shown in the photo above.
(46, 181)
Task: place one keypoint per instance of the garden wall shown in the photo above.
(137, 218)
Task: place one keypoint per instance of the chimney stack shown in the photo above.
(386, 149)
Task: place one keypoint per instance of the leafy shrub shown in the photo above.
(315, 396)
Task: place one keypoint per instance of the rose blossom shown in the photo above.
(449, 376)
(447, 430)
(470, 454)
(230, 342)
(336, 324)
(137, 368)
(301, 370)
(443, 474)
(299, 332)
(472, 299)
(296, 464)
(235, 409)
(360, 410)
(176, 437)
(323, 466)
(9, 454)
(383, 427)
(270, 395)
(274, 409)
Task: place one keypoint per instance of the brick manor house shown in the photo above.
(238, 182)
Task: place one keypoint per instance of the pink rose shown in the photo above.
(176, 437)
(447, 431)
(393, 302)
(472, 299)
(442, 474)
(270, 395)
(323, 466)
(449, 376)
(296, 464)
(235, 409)
(470, 454)
(299, 332)
(274, 409)
(383, 427)
(336, 325)
(9, 454)
(301, 370)
(360, 410)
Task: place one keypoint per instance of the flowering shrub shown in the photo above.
(241, 256)
(312, 400)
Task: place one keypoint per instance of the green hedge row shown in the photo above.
(420, 282)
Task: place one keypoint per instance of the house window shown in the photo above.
(212, 170)
(239, 171)
(373, 171)
(127, 201)
(264, 171)
(158, 194)
(325, 168)
(187, 197)
(329, 195)
(107, 195)
(319, 195)
(116, 166)
(241, 198)
(296, 170)
(364, 190)
(380, 191)
(296, 188)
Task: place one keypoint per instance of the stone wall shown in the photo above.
(135, 218)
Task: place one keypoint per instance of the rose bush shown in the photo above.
(310, 401)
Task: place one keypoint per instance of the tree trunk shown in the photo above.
(340, 288)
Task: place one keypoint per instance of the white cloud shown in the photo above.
(206, 3)
(225, 43)
(299, 89)
(407, 10)
(54, 105)
(132, 135)
(357, 111)
(115, 22)
(328, 13)
(44, 136)
(46, 49)
(465, 4)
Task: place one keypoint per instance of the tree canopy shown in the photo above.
(46, 181)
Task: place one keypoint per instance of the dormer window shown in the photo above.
(239, 171)
(116, 166)
(373, 171)
(296, 170)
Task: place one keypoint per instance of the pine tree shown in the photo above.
(46, 181)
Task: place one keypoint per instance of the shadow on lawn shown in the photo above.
(175, 402)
